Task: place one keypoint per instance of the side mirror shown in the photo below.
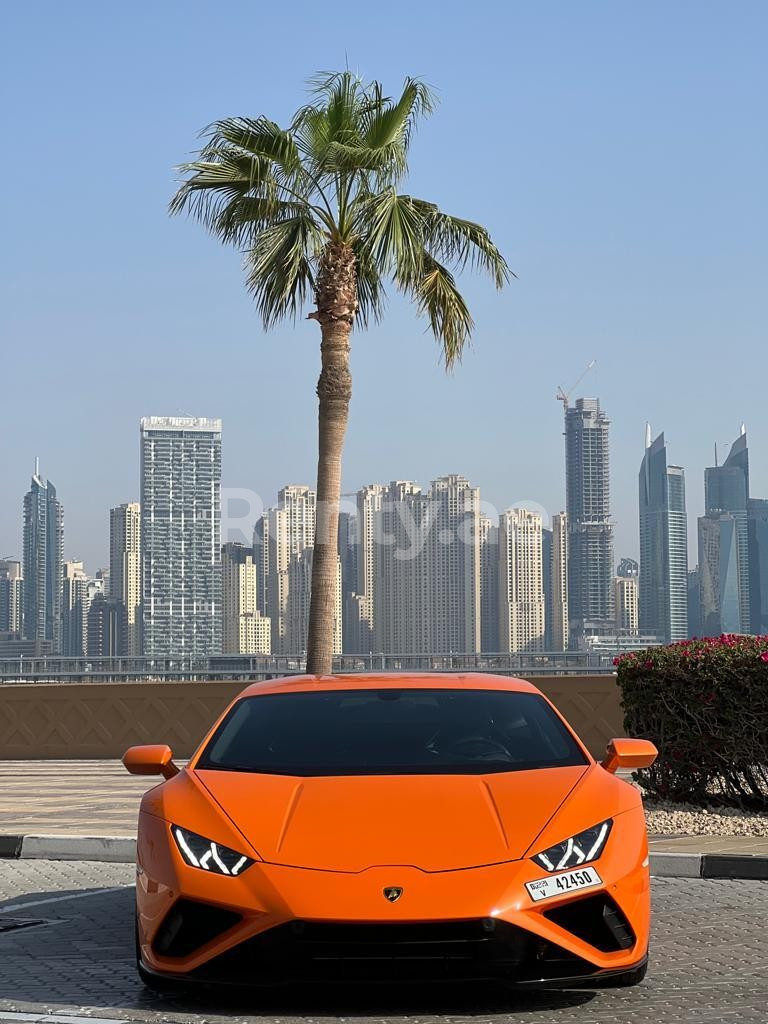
(625, 753)
(151, 760)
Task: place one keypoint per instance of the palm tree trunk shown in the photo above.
(336, 295)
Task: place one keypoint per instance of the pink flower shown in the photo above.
(616, 661)
(764, 656)
(648, 664)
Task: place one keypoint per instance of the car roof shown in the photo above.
(391, 680)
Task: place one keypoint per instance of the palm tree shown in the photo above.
(317, 211)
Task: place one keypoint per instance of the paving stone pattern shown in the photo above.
(709, 965)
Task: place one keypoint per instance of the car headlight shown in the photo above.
(579, 849)
(199, 852)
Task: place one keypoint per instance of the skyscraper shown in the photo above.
(726, 489)
(453, 564)
(288, 530)
(521, 585)
(590, 530)
(244, 629)
(369, 499)
(125, 572)
(43, 564)
(489, 585)
(180, 535)
(557, 609)
(719, 574)
(74, 610)
(11, 596)
(401, 582)
(757, 515)
(663, 589)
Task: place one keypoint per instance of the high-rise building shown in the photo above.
(521, 584)
(590, 530)
(106, 627)
(298, 597)
(125, 572)
(11, 596)
(74, 610)
(757, 516)
(557, 609)
(401, 581)
(180, 535)
(453, 564)
(719, 574)
(363, 609)
(663, 591)
(546, 576)
(694, 603)
(288, 530)
(489, 585)
(625, 599)
(43, 564)
(244, 629)
(350, 603)
(726, 490)
(427, 568)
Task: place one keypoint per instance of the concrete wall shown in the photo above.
(100, 720)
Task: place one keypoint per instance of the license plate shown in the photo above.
(560, 885)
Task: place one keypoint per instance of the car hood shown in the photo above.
(350, 823)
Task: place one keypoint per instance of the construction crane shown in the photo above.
(563, 396)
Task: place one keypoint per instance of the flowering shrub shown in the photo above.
(704, 703)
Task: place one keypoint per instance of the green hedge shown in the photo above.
(704, 703)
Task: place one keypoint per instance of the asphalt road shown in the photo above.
(66, 954)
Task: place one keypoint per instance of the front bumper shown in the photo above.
(275, 923)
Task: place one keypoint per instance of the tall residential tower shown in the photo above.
(590, 530)
(180, 535)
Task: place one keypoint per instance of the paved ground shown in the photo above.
(709, 965)
(100, 798)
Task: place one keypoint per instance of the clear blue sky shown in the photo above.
(616, 150)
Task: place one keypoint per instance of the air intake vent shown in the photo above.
(188, 926)
(596, 920)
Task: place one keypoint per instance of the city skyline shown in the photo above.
(614, 258)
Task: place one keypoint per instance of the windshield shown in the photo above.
(391, 732)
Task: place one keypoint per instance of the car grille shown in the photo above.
(484, 948)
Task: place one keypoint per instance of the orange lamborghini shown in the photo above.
(426, 825)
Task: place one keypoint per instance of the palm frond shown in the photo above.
(461, 242)
(393, 228)
(438, 298)
(389, 122)
(280, 266)
(258, 137)
(370, 289)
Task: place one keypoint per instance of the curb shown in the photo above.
(122, 850)
(106, 849)
(709, 865)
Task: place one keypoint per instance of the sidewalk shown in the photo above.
(71, 799)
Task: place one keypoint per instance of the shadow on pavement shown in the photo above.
(82, 954)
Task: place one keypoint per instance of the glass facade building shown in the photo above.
(590, 530)
(43, 565)
(663, 592)
(181, 535)
(726, 490)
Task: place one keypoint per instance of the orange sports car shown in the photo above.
(428, 826)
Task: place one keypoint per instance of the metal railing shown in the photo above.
(27, 669)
